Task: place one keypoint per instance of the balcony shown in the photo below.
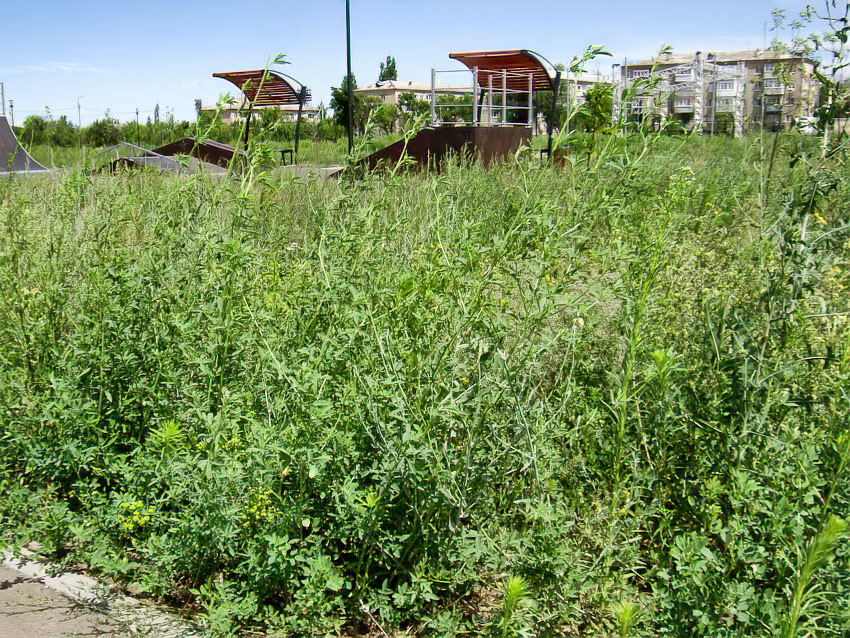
(683, 108)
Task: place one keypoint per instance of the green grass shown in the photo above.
(311, 152)
(323, 407)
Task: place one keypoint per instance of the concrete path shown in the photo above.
(34, 604)
(28, 609)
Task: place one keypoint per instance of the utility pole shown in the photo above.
(80, 120)
(3, 98)
(12, 112)
(138, 138)
(348, 77)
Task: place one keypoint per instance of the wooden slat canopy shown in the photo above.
(266, 87)
(517, 60)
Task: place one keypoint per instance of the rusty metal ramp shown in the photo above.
(128, 156)
(432, 146)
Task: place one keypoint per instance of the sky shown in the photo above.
(120, 56)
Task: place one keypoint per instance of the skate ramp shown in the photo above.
(13, 156)
(432, 146)
(208, 151)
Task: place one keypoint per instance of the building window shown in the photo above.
(639, 73)
(772, 83)
(684, 101)
(725, 102)
(726, 85)
(769, 68)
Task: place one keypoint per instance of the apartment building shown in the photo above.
(576, 85)
(728, 91)
(236, 112)
(389, 91)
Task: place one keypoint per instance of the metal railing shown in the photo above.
(490, 94)
(137, 152)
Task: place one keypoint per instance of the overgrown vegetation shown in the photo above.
(601, 400)
(604, 398)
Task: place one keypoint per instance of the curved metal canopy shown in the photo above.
(264, 87)
(519, 61)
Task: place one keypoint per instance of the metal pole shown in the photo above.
(3, 98)
(433, 96)
(556, 89)
(489, 100)
(138, 133)
(475, 96)
(505, 97)
(302, 97)
(348, 76)
(12, 112)
(530, 100)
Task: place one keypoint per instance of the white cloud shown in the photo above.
(53, 67)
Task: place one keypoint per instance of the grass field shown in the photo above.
(604, 399)
(311, 152)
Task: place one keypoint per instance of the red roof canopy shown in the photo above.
(516, 60)
(265, 87)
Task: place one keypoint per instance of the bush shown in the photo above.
(103, 132)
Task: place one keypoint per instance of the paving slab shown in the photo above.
(34, 603)
(29, 609)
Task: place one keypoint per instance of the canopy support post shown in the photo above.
(302, 97)
(248, 125)
(556, 89)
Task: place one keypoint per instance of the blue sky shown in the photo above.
(127, 55)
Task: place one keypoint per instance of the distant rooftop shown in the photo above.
(241, 103)
(398, 85)
(719, 56)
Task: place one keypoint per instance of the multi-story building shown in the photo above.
(576, 85)
(725, 91)
(389, 91)
(236, 112)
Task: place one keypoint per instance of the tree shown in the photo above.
(543, 101)
(830, 55)
(103, 132)
(410, 107)
(339, 101)
(198, 106)
(61, 132)
(386, 118)
(595, 113)
(456, 108)
(35, 130)
(388, 70)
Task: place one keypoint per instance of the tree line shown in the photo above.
(270, 124)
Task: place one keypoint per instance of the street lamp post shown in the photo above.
(80, 119)
(348, 77)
